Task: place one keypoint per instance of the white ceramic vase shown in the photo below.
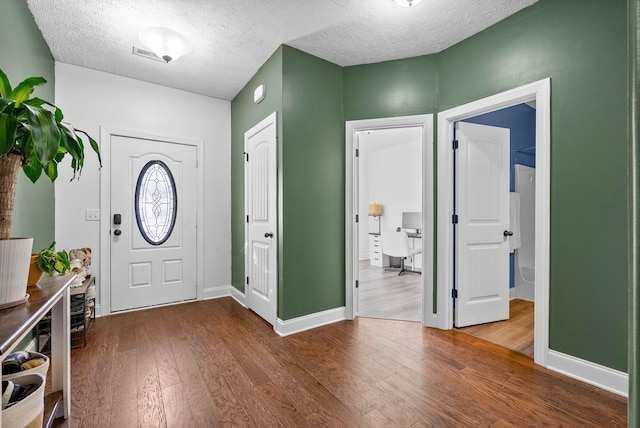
(15, 257)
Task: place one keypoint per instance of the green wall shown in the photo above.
(312, 266)
(24, 53)
(306, 92)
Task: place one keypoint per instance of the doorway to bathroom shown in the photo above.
(514, 328)
(448, 302)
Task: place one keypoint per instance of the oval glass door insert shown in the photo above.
(156, 202)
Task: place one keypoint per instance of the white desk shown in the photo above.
(415, 241)
(50, 293)
(376, 258)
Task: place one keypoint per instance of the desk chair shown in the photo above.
(396, 244)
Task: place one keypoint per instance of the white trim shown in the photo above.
(217, 292)
(238, 296)
(424, 121)
(594, 374)
(307, 322)
(539, 91)
(106, 133)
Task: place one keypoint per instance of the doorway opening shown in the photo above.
(517, 331)
(390, 196)
(538, 93)
(388, 144)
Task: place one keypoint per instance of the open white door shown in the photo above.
(261, 218)
(482, 247)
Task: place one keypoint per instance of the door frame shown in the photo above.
(106, 133)
(271, 119)
(540, 92)
(425, 122)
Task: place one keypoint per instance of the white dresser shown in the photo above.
(376, 258)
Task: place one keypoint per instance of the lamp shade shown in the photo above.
(375, 210)
(164, 42)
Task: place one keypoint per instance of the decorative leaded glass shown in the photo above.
(156, 202)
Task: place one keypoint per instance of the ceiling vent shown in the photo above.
(146, 54)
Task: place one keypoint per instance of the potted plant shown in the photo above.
(48, 261)
(34, 137)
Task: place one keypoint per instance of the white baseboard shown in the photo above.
(238, 296)
(307, 322)
(594, 374)
(512, 293)
(216, 292)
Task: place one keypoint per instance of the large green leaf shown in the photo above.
(94, 145)
(33, 170)
(44, 133)
(8, 128)
(25, 89)
(5, 87)
(6, 106)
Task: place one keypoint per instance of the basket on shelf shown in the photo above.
(28, 412)
(41, 369)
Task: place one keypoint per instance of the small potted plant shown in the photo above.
(48, 261)
(32, 137)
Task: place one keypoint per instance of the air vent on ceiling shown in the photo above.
(146, 54)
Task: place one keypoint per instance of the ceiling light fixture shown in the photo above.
(407, 3)
(164, 42)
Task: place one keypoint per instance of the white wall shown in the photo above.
(395, 181)
(91, 99)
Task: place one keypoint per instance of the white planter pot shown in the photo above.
(15, 256)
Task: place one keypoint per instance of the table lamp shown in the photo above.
(375, 211)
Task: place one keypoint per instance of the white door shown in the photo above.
(153, 223)
(261, 239)
(482, 205)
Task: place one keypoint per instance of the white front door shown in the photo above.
(482, 205)
(261, 249)
(153, 222)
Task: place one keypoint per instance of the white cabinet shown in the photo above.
(376, 258)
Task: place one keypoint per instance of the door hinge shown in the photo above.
(246, 156)
(454, 219)
(247, 280)
(357, 283)
(357, 152)
(454, 293)
(455, 144)
(357, 218)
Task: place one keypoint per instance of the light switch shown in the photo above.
(92, 215)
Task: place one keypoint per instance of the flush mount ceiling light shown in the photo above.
(164, 42)
(407, 3)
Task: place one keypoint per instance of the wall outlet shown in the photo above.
(92, 215)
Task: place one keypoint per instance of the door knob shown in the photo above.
(507, 233)
(117, 232)
(268, 235)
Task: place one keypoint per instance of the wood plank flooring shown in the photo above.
(389, 295)
(214, 363)
(516, 333)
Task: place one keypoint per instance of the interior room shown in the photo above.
(390, 197)
(217, 228)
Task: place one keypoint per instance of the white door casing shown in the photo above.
(482, 248)
(261, 238)
(425, 122)
(147, 273)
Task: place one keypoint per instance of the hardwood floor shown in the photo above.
(387, 295)
(213, 363)
(516, 333)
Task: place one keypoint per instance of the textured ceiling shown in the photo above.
(231, 39)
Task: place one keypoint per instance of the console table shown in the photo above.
(50, 294)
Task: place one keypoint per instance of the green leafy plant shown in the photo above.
(49, 260)
(34, 137)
